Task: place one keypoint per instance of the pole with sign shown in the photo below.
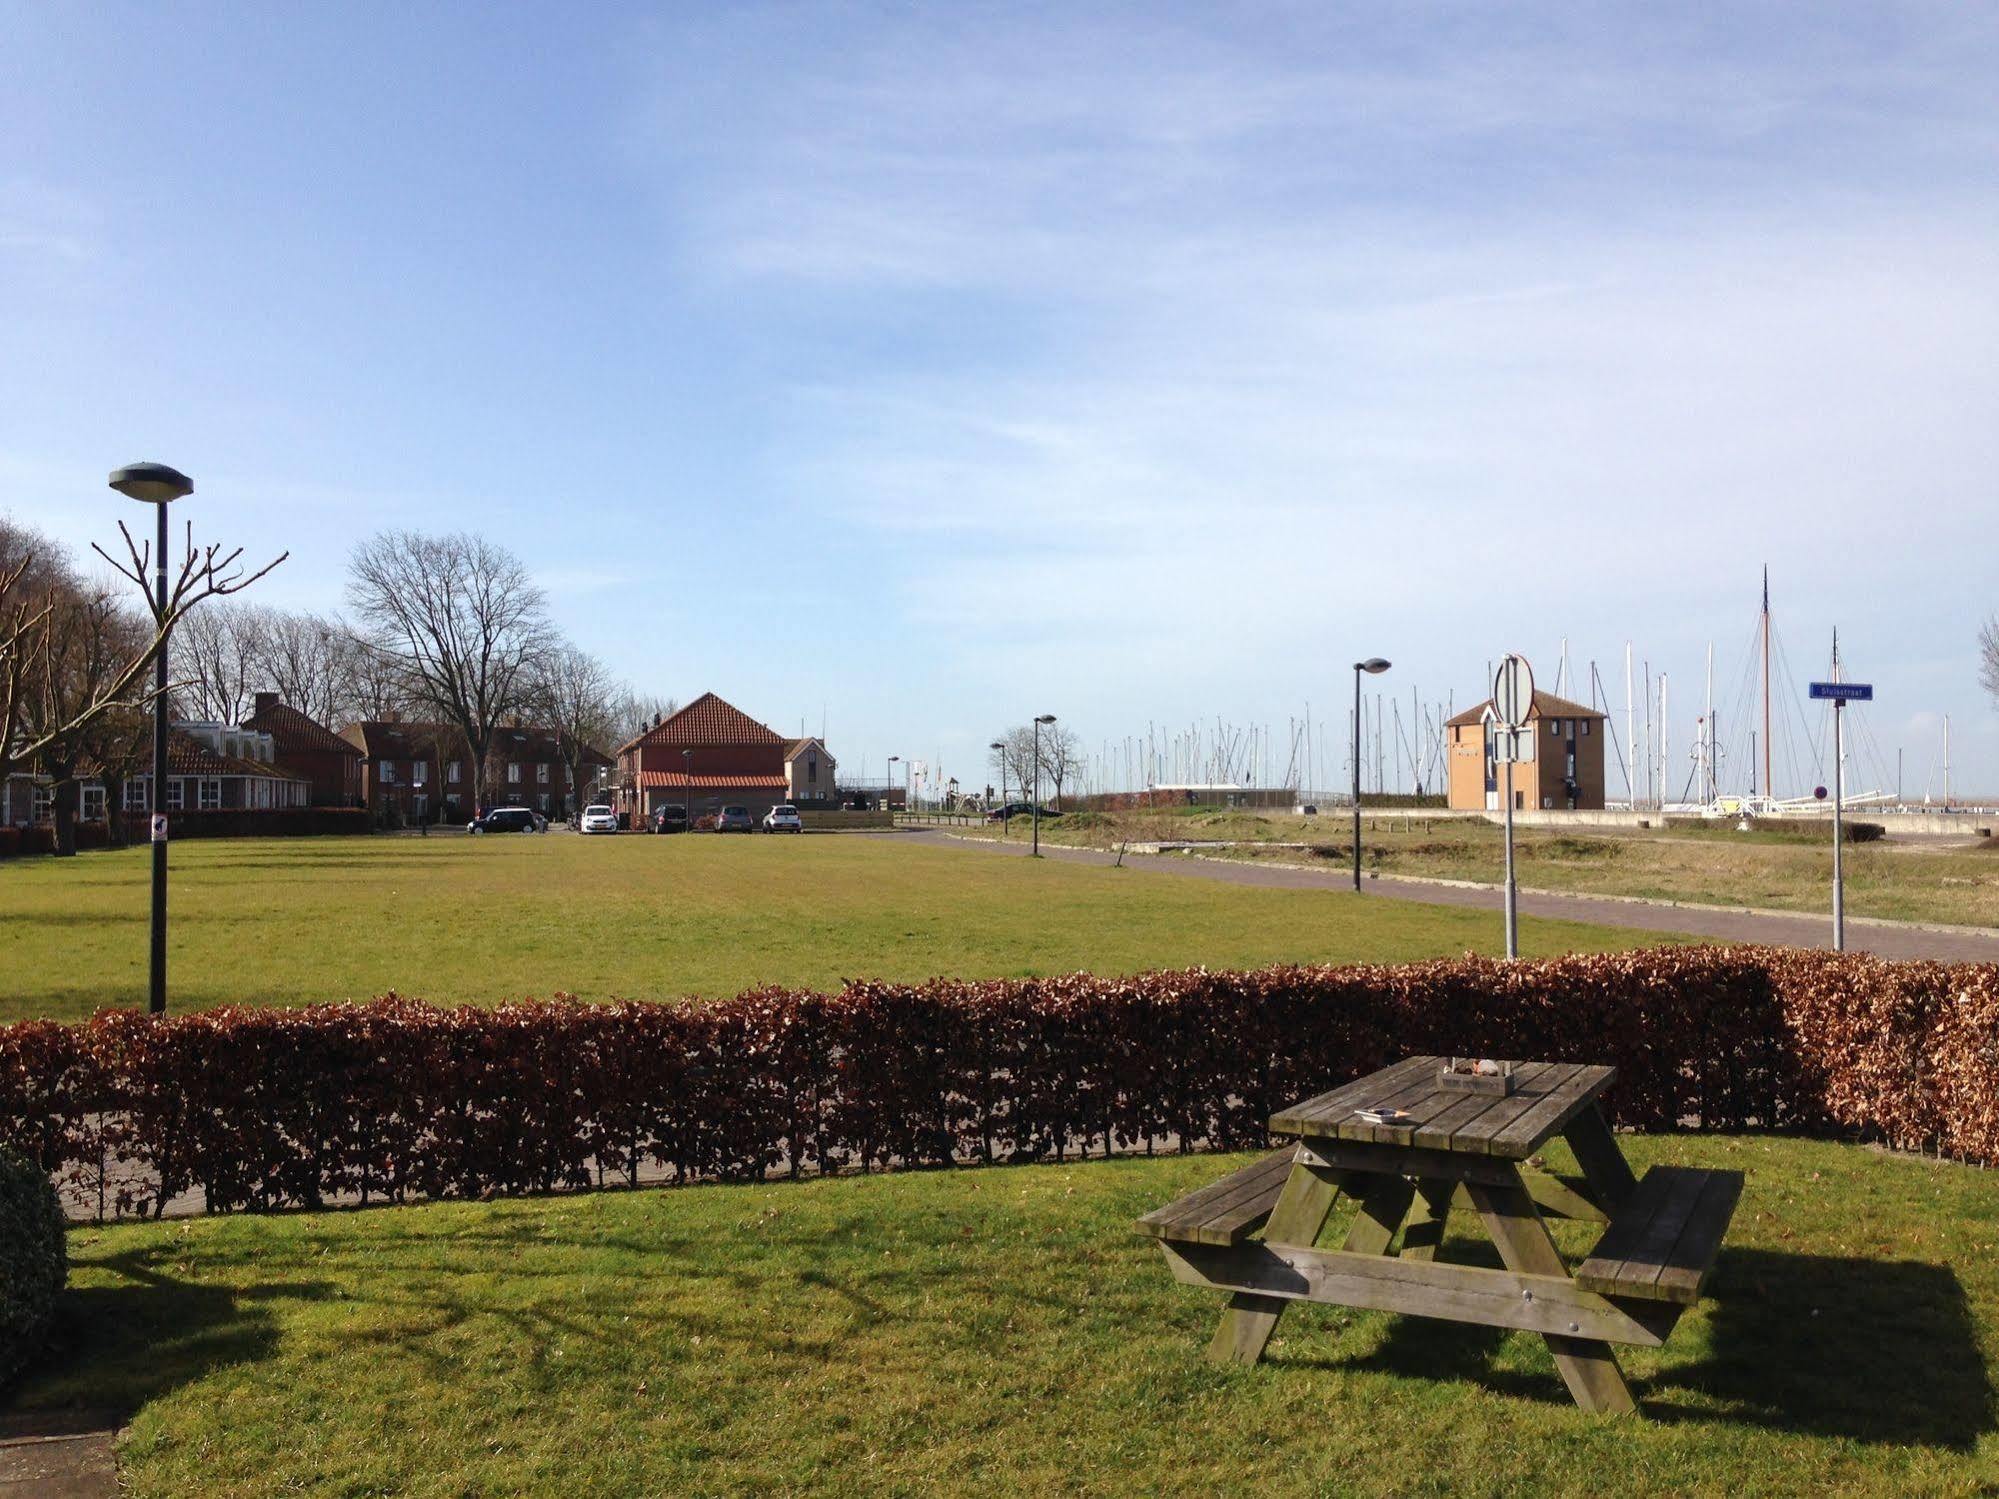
(1839, 694)
(1512, 702)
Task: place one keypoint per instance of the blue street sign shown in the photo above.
(1844, 692)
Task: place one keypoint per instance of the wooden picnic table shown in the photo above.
(1456, 1149)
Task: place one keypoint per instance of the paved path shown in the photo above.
(1889, 939)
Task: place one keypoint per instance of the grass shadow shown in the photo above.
(116, 1347)
(1879, 1351)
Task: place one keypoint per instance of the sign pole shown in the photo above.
(1512, 890)
(1838, 831)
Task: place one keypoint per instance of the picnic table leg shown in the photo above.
(1588, 1366)
(1383, 1205)
(1604, 1167)
(1301, 1212)
(1428, 1215)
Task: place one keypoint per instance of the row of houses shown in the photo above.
(707, 755)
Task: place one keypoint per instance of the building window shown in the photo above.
(419, 807)
(541, 776)
(135, 795)
(419, 772)
(93, 804)
(1585, 728)
(812, 772)
(513, 773)
(451, 773)
(176, 794)
(543, 799)
(44, 800)
(210, 793)
(1554, 728)
(385, 772)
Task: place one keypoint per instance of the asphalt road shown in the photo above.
(1889, 939)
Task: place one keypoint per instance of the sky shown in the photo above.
(913, 369)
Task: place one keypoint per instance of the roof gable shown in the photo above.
(1546, 705)
(707, 720)
(296, 733)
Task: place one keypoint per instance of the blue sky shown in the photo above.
(930, 366)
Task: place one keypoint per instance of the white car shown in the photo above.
(783, 818)
(598, 819)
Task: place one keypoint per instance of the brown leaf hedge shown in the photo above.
(263, 1108)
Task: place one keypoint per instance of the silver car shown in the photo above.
(735, 820)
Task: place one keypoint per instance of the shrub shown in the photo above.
(34, 1261)
(392, 1099)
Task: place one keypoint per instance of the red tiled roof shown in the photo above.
(293, 733)
(188, 756)
(1546, 705)
(381, 740)
(653, 779)
(707, 720)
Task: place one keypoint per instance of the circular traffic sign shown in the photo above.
(1819, 792)
(1513, 691)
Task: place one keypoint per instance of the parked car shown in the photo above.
(1015, 809)
(598, 819)
(783, 818)
(735, 820)
(670, 819)
(507, 820)
(857, 804)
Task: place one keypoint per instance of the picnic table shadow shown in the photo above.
(1878, 1351)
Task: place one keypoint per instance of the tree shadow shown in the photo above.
(1879, 1351)
(114, 1348)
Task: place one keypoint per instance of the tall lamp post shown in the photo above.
(888, 787)
(1035, 800)
(1006, 821)
(159, 486)
(687, 788)
(1373, 666)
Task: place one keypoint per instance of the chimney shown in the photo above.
(265, 702)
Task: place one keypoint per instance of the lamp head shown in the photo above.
(151, 483)
(1373, 666)
(1046, 718)
(996, 745)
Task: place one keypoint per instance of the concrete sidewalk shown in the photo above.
(1888, 939)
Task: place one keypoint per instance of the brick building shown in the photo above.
(711, 754)
(1566, 772)
(303, 746)
(422, 772)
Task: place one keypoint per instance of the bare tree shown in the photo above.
(1059, 755)
(90, 636)
(311, 662)
(1016, 757)
(217, 654)
(36, 656)
(636, 712)
(462, 623)
(577, 698)
(1988, 657)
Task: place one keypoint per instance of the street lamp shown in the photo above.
(159, 486)
(888, 787)
(1373, 666)
(687, 788)
(1006, 820)
(1035, 800)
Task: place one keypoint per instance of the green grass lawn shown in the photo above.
(1003, 1331)
(1781, 868)
(453, 919)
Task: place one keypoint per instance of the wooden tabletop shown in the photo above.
(1546, 1096)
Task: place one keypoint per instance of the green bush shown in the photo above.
(34, 1260)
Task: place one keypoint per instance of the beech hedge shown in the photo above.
(261, 1108)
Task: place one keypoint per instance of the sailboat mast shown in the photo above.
(1768, 787)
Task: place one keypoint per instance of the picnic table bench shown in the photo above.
(1451, 1149)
